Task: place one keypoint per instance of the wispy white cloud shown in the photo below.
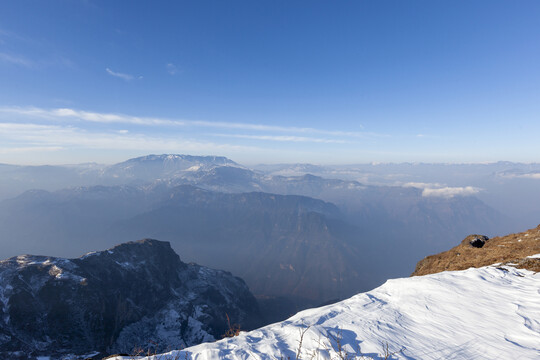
(15, 37)
(422, 185)
(16, 59)
(35, 136)
(7, 127)
(104, 118)
(440, 190)
(427, 136)
(531, 175)
(44, 61)
(67, 113)
(283, 138)
(450, 192)
(38, 58)
(123, 76)
(288, 129)
(172, 69)
(29, 149)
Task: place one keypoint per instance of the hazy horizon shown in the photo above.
(255, 163)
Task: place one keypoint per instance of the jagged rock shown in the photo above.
(476, 241)
(137, 294)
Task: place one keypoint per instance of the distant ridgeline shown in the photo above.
(302, 237)
(297, 241)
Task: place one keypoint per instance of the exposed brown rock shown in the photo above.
(511, 249)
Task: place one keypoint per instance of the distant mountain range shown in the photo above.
(301, 238)
(297, 239)
(15, 179)
(155, 167)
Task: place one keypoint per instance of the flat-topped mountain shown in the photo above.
(137, 294)
(15, 179)
(166, 166)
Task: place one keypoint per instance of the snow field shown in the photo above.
(486, 313)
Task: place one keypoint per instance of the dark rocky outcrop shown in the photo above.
(137, 294)
(478, 250)
(476, 241)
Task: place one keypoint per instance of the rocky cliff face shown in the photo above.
(137, 294)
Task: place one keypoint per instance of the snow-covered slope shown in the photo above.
(485, 313)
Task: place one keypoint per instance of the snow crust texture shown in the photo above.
(485, 313)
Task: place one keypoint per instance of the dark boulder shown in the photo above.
(476, 241)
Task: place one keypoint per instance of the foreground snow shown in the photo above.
(487, 313)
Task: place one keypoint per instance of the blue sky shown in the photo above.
(270, 81)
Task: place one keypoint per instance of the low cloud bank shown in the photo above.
(439, 190)
(450, 192)
(523, 176)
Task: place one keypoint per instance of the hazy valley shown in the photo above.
(224, 215)
(298, 240)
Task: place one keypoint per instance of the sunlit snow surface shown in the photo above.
(487, 313)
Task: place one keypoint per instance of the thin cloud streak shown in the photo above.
(450, 192)
(441, 190)
(38, 60)
(65, 113)
(29, 149)
(126, 77)
(43, 62)
(257, 127)
(422, 185)
(49, 136)
(282, 138)
(16, 60)
(172, 69)
(12, 36)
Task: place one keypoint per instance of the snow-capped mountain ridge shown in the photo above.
(166, 166)
(179, 160)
